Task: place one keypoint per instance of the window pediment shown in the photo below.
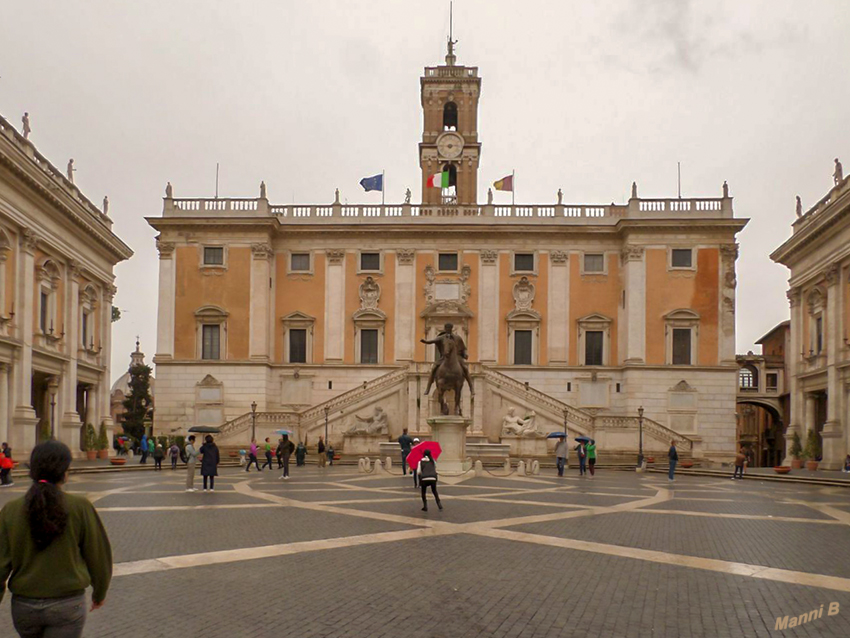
(297, 319)
(369, 315)
(595, 319)
(211, 312)
(682, 314)
(523, 316)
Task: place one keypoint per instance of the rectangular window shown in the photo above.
(213, 256)
(594, 263)
(45, 311)
(819, 335)
(772, 380)
(300, 262)
(682, 258)
(593, 347)
(681, 346)
(370, 261)
(368, 346)
(211, 343)
(522, 347)
(448, 261)
(524, 262)
(297, 345)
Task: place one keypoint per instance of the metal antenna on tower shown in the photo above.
(450, 57)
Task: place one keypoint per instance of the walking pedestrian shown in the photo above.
(53, 547)
(427, 471)
(740, 458)
(6, 450)
(591, 457)
(158, 455)
(191, 461)
(268, 449)
(151, 445)
(582, 458)
(209, 462)
(406, 443)
(330, 454)
(286, 446)
(279, 453)
(300, 454)
(561, 455)
(174, 450)
(321, 452)
(143, 449)
(252, 456)
(6, 465)
(673, 457)
(413, 469)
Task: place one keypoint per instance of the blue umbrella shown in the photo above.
(557, 435)
(583, 439)
(283, 432)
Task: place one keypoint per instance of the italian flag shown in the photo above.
(439, 180)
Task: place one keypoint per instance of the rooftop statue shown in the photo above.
(336, 196)
(105, 205)
(25, 129)
(799, 207)
(560, 197)
(263, 190)
(838, 175)
(71, 170)
(169, 190)
(489, 196)
(407, 196)
(725, 189)
(634, 190)
(450, 369)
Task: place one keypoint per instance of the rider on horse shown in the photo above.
(448, 333)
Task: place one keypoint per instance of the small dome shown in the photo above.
(122, 384)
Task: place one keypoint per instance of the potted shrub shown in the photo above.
(91, 442)
(118, 460)
(782, 469)
(650, 459)
(102, 443)
(812, 451)
(687, 463)
(795, 451)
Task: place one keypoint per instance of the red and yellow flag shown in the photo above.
(504, 184)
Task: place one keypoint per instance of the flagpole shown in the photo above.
(383, 187)
(513, 187)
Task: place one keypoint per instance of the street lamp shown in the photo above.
(53, 388)
(640, 436)
(327, 412)
(253, 420)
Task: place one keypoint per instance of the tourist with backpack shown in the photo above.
(427, 473)
(174, 451)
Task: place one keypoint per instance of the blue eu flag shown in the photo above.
(374, 183)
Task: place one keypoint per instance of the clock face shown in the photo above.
(450, 145)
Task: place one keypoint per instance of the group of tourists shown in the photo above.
(586, 451)
(283, 452)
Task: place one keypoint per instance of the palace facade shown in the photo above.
(818, 256)
(57, 254)
(577, 314)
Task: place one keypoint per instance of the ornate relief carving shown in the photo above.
(729, 253)
(632, 253)
(831, 274)
(729, 304)
(370, 293)
(489, 256)
(262, 250)
(29, 240)
(559, 257)
(405, 255)
(74, 270)
(335, 255)
(729, 279)
(794, 295)
(816, 299)
(109, 293)
(523, 294)
(165, 248)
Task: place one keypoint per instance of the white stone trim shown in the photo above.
(208, 316)
(300, 321)
(600, 273)
(594, 322)
(535, 257)
(681, 319)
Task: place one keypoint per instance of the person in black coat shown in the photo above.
(209, 462)
(427, 473)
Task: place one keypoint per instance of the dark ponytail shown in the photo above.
(45, 504)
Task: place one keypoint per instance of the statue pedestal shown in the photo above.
(523, 446)
(362, 444)
(450, 433)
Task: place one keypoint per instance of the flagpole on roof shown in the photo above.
(513, 187)
(383, 187)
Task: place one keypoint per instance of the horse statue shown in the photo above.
(450, 372)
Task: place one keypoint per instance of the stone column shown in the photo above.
(165, 313)
(488, 307)
(811, 415)
(795, 419)
(24, 413)
(405, 304)
(4, 402)
(559, 306)
(728, 283)
(69, 416)
(105, 385)
(260, 300)
(833, 435)
(335, 306)
(634, 264)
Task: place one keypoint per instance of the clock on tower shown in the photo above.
(449, 143)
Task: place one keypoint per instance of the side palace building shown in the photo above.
(575, 314)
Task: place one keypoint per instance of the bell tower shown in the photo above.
(449, 95)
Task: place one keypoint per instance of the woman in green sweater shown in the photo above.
(52, 546)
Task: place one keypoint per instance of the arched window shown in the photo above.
(748, 379)
(450, 116)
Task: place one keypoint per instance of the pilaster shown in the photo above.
(795, 418)
(69, 416)
(728, 284)
(405, 304)
(24, 319)
(634, 265)
(165, 312)
(260, 300)
(559, 306)
(335, 305)
(832, 434)
(488, 304)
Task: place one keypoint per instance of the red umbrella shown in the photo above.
(418, 451)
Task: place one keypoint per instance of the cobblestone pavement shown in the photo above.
(336, 553)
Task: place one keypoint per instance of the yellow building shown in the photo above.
(57, 254)
(570, 311)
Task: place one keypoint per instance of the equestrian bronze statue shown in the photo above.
(450, 369)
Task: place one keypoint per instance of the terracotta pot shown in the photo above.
(650, 459)
(103, 454)
(687, 464)
(797, 464)
(117, 461)
(811, 466)
(233, 455)
(782, 469)
(91, 455)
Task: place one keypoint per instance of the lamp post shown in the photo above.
(253, 420)
(53, 388)
(327, 412)
(640, 436)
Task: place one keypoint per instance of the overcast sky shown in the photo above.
(310, 96)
